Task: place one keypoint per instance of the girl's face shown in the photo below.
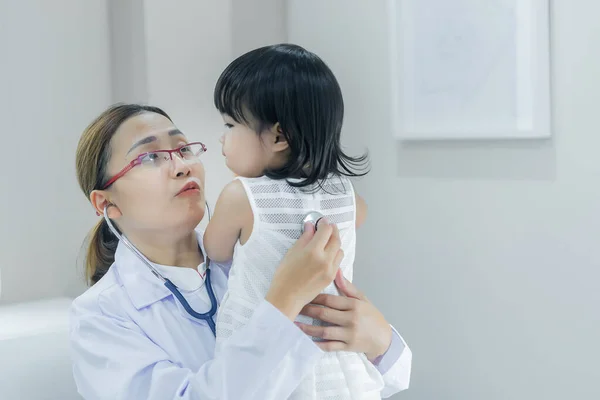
(149, 197)
(248, 153)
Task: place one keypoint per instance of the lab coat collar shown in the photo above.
(142, 287)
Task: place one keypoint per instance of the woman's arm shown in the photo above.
(360, 327)
(114, 359)
(395, 366)
(231, 216)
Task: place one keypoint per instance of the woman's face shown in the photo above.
(149, 198)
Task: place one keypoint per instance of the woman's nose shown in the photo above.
(222, 138)
(180, 167)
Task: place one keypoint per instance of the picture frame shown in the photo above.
(470, 69)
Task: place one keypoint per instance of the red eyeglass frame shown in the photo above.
(138, 160)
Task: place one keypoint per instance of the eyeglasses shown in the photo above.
(158, 158)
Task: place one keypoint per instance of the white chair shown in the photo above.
(34, 351)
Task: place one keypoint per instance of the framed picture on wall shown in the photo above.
(470, 69)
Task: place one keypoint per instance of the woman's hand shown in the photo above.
(359, 326)
(308, 267)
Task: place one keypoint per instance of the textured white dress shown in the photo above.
(278, 210)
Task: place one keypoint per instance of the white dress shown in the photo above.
(278, 210)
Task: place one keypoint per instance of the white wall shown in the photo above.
(257, 23)
(187, 47)
(484, 255)
(54, 77)
(128, 59)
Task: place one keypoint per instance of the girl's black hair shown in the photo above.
(289, 85)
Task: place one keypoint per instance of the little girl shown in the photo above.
(283, 110)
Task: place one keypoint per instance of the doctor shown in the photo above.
(132, 339)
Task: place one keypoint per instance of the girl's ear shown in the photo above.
(277, 138)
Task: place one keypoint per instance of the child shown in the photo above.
(283, 111)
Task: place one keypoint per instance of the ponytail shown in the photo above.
(101, 252)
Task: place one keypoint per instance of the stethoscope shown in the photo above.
(312, 217)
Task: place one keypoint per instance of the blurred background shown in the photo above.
(484, 255)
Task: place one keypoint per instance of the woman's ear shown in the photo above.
(279, 141)
(99, 200)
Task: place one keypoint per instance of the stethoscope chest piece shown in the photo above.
(313, 217)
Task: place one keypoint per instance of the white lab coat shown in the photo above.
(131, 339)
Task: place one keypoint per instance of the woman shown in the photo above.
(132, 339)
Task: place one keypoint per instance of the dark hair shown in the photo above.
(289, 85)
(91, 161)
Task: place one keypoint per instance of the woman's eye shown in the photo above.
(228, 126)
(150, 158)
